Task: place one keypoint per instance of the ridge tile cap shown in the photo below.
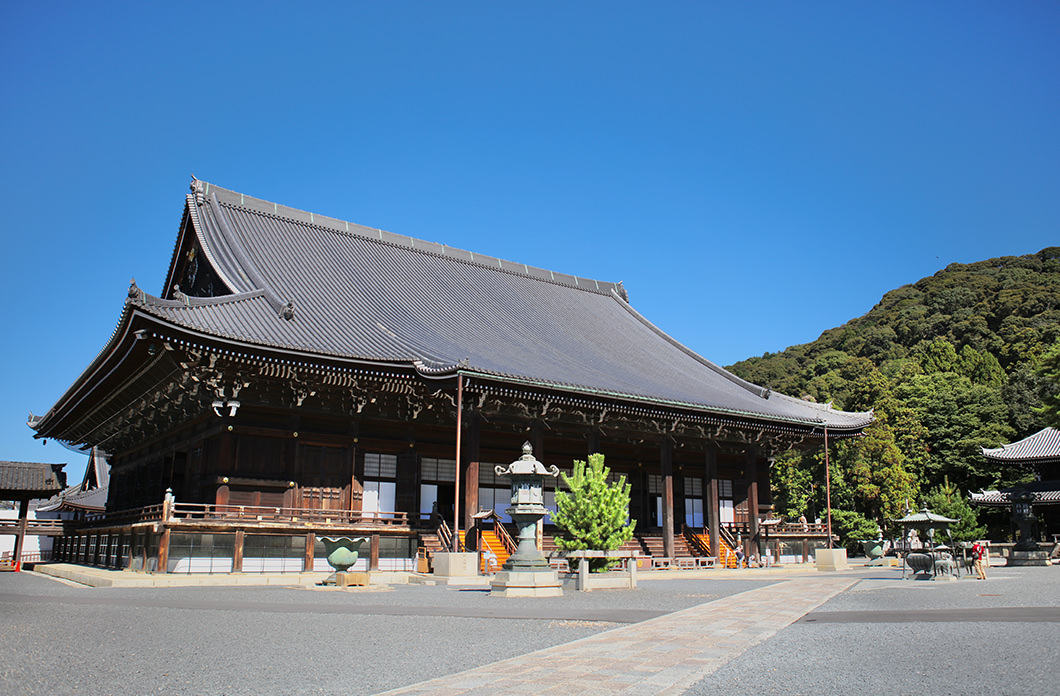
(234, 199)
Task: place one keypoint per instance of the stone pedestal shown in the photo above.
(831, 559)
(520, 583)
(1028, 558)
(456, 565)
(353, 579)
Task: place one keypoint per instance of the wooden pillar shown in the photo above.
(163, 552)
(469, 472)
(593, 442)
(310, 552)
(537, 441)
(20, 537)
(237, 551)
(713, 502)
(124, 559)
(227, 453)
(751, 474)
(373, 556)
(356, 477)
(666, 456)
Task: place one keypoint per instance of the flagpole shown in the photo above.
(459, 429)
(828, 487)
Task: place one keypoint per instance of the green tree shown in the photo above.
(793, 484)
(960, 417)
(592, 513)
(946, 500)
(852, 528)
(1050, 372)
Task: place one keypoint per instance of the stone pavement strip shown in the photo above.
(661, 656)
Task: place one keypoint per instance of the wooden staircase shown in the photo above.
(653, 545)
(490, 542)
(725, 555)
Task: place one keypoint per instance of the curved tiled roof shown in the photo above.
(1046, 493)
(19, 479)
(358, 292)
(1043, 445)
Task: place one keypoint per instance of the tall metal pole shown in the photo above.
(459, 429)
(828, 487)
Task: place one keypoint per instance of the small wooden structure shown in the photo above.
(936, 560)
(23, 482)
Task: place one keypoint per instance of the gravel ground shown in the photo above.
(900, 653)
(67, 639)
(62, 639)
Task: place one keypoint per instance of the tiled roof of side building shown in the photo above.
(357, 292)
(1043, 445)
(31, 477)
(1045, 493)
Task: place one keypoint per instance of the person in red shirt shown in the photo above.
(979, 555)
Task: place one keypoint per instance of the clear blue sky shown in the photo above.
(756, 173)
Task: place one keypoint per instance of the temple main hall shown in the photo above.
(300, 376)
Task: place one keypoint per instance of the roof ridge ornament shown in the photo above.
(199, 190)
(180, 296)
(135, 293)
(288, 311)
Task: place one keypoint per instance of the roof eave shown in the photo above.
(667, 403)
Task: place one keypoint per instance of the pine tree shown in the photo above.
(592, 513)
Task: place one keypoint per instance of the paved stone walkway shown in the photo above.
(663, 656)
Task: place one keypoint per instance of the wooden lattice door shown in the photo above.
(325, 476)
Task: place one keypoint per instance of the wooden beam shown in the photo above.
(373, 555)
(163, 552)
(20, 537)
(237, 552)
(470, 471)
(310, 552)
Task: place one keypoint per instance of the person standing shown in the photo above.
(979, 556)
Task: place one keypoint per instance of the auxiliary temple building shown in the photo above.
(300, 376)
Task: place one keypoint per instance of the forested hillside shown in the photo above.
(949, 364)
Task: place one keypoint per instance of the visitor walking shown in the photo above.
(979, 556)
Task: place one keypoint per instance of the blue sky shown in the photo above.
(755, 173)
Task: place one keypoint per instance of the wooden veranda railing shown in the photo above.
(34, 527)
(242, 515)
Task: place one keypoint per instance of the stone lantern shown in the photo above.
(527, 573)
(1024, 520)
(1026, 552)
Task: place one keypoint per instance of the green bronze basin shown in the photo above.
(342, 551)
